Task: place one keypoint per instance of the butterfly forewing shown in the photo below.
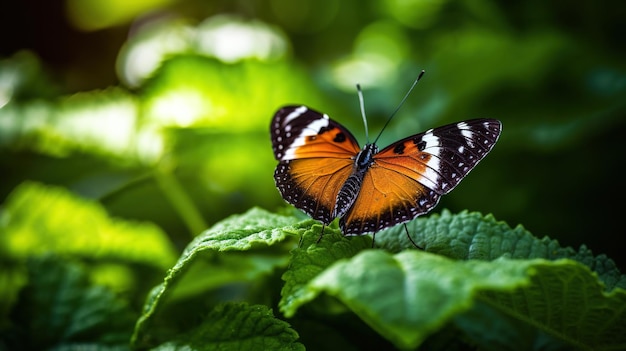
(315, 155)
(439, 158)
(300, 132)
(407, 178)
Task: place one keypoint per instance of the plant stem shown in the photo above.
(181, 202)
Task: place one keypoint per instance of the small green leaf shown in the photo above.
(237, 326)
(408, 296)
(189, 90)
(250, 247)
(38, 219)
(470, 235)
(104, 123)
(256, 228)
(64, 311)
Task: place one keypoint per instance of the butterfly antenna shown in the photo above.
(362, 104)
(401, 103)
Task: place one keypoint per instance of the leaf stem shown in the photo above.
(180, 200)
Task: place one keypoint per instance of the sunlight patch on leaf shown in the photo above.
(147, 48)
(38, 219)
(103, 122)
(238, 97)
(231, 39)
(105, 119)
(225, 37)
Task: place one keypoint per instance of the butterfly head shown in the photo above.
(365, 157)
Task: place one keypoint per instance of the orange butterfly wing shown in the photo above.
(408, 177)
(316, 157)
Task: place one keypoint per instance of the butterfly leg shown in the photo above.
(321, 234)
(373, 241)
(411, 239)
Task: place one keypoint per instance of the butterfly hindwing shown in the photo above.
(386, 198)
(408, 177)
(315, 157)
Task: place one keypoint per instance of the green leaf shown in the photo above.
(103, 123)
(470, 235)
(61, 309)
(23, 78)
(250, 247)
(312, 258)
(237, 326)
(408, 296)
(192, 90)
(564, 304)
(38, 219)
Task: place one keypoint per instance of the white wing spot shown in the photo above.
(432, 141)
(310, 130)
(467, 133)
(314, 127)
(295, 114)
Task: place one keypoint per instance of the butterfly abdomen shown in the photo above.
(352, 186)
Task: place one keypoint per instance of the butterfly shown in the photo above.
(324, 172)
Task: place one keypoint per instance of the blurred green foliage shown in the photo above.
(151, 120)
(194, 85)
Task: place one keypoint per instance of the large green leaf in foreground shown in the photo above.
(555, 298)
(408, 296)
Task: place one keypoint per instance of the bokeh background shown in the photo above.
(159, 109)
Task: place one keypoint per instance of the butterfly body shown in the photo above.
(352, 186)
(323, 171)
